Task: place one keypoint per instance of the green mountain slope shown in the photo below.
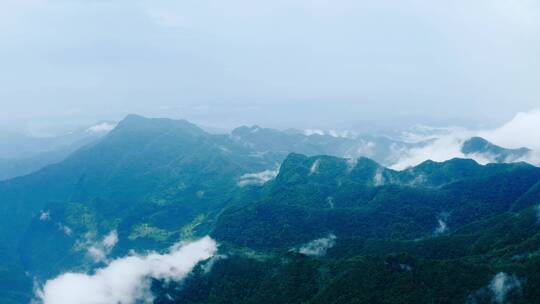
(314, 196)
(391, 236)
(460, 267)
(155, 181)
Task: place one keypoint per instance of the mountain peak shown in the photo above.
(134, 117)
(249, 130)
(137, 123)
(454, 163)
(479, 145)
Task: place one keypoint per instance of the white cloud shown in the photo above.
(422, 133)
(65, 229)
(532, 158)
(442, 223)
(314, 167)
(99, 251)
(207, 267)
(343, 133)
(310, 132)
(446, 143)
(519, 132)
(111, 239)
(351, 163)
(378, 178)
(126, 280)
(330, 201)
(44, 216)
(442, 228)
(97, 254)
(499, 290)
(443, 148)
(258, 178)
(366, 148)
(101, 129)
(333, 133)
(318, 247)
(502, 284)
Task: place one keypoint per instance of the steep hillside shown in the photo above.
(314, 196)
(316, 231)
(490, 261)
(155, 181)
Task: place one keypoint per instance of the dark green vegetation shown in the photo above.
(435, 233)
(455, 268)
(152, 180)
(370, 201)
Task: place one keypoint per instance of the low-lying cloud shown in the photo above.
(520, 131)
(333, 133)
(314, 167)
(258, 178)
(98, 251)
(503, 288)
(442, 147)
(447, 143)
(442, 224)
(502, 285)
(126, 280)
(101, 129)
(378, 178)
(442, 227)
(318, 247)
(45, 216)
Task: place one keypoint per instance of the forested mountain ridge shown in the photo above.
(387, 151)
(148, 178)
(155, 182)
(314, 196)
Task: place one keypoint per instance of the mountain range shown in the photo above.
(24, 154)
(299, 218)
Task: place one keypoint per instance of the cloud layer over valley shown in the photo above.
(447, 143)
(126, 280)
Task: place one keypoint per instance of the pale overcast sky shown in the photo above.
(294, 63)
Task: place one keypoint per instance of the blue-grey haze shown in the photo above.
(282, 63)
